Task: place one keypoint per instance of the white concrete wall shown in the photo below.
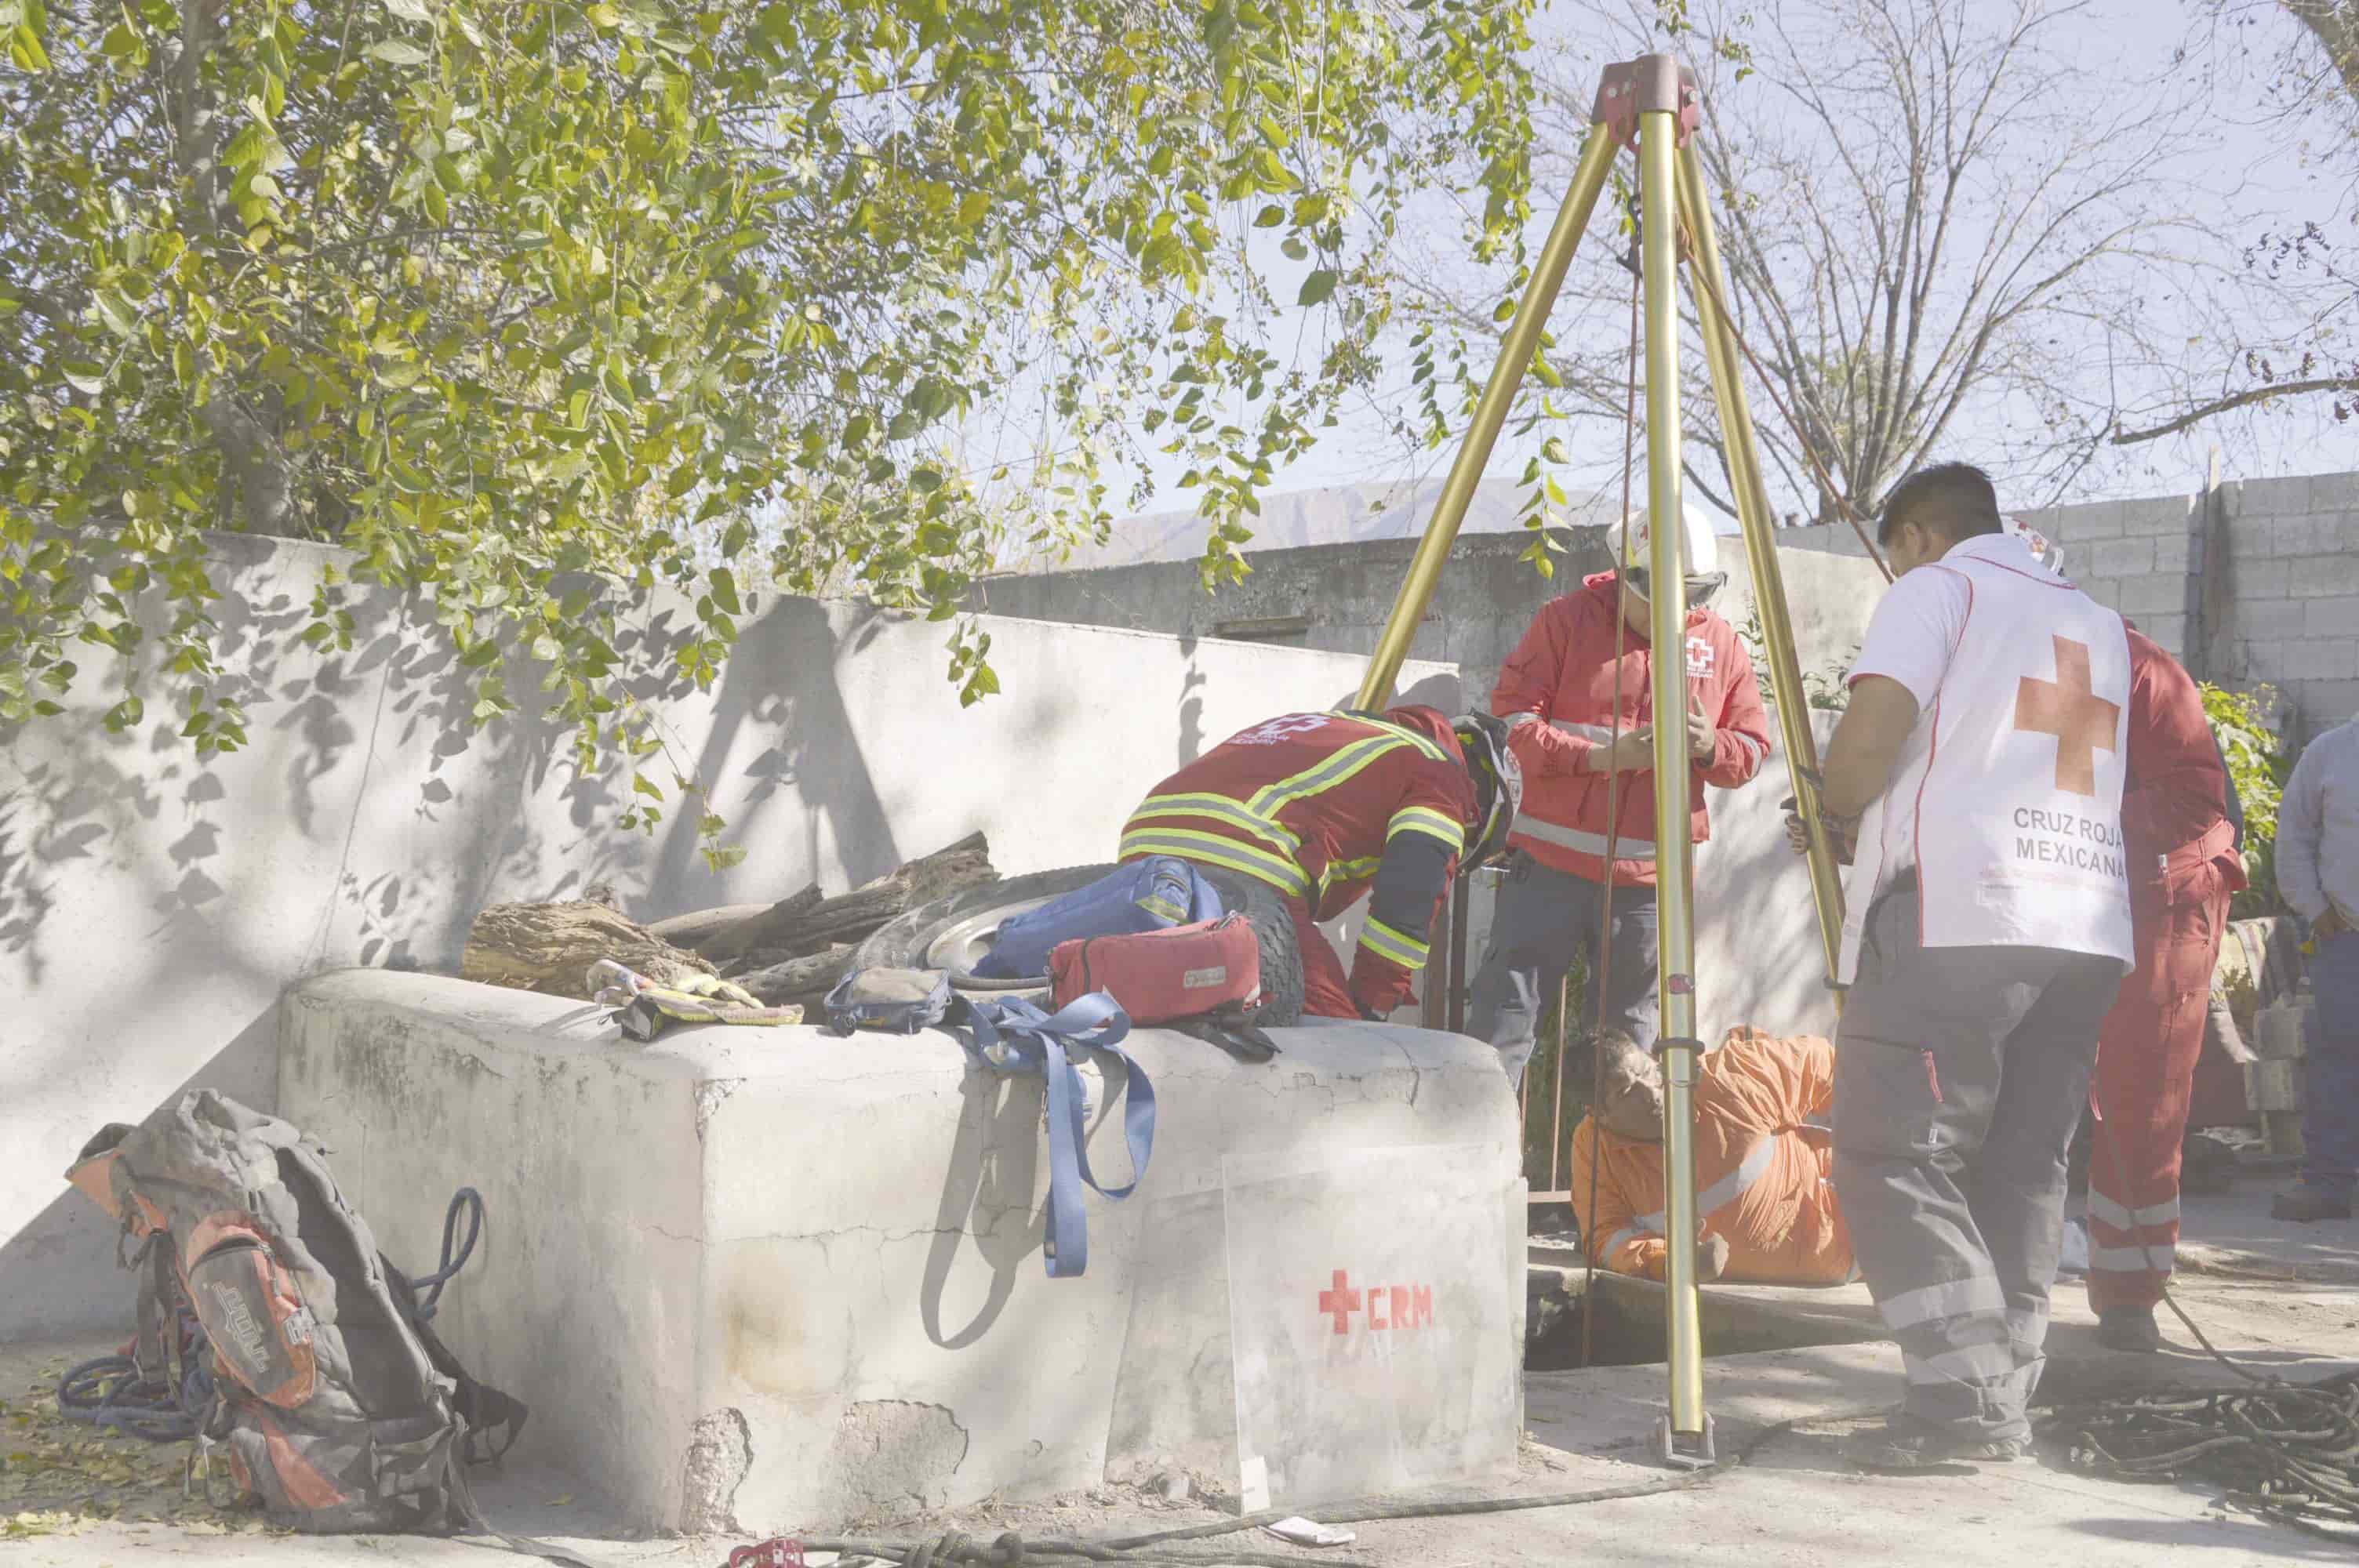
(152, 906)
(776, 1280)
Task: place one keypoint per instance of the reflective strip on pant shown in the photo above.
(1969, 1297)
(2160, 1258)
(1974, 1364)
(2106, 1210)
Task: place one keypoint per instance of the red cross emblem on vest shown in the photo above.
(2069, 708)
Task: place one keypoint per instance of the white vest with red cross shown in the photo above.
(2008, 798)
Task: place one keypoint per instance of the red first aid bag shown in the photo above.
(1182, 971)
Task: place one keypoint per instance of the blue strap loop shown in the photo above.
(1012, 1037)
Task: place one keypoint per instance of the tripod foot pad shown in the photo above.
(1686, 1450)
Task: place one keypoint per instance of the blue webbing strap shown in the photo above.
(1013, 1036)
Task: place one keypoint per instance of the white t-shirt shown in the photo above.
(1911, 638)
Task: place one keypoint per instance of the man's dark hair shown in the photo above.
(1956, 500)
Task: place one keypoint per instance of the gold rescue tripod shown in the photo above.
(1650, 106)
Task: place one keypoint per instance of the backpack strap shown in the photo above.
(493, 1419)
(1013, 1036)
(1227, 1029)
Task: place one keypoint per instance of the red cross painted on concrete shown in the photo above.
(2069, 708)
(1341, 1302)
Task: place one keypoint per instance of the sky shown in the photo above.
(2251, 168)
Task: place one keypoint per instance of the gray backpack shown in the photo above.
(331, 1400)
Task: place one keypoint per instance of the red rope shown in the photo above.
(1612, 843)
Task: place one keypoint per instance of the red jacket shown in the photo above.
(1324, 807)
(1562, 675)
(2174, 798)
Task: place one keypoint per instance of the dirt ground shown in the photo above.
(2282, 1299)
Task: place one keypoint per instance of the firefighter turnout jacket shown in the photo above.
(1761, 1176)
(1326, 808)
(1558, 689)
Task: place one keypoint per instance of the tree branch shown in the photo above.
(2245, 399)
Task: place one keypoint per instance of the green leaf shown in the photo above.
(1317, 287)
(117, 313)
(1269, 217)
(83, 377)
(393, 51)
(409, 10)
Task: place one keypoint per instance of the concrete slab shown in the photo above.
(764, 1279)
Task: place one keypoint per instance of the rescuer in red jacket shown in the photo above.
(1328, 807)
(1558, 691)
(2184, 867)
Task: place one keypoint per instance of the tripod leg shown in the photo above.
(1490, 414)
(1768, 577)
(1674, 846)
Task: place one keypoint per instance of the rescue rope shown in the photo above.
(2289, 1453)
(108, 1393)
(1612, 843)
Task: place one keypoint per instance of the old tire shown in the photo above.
(952, 933)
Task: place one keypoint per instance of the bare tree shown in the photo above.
(1933, 224)
(2308, 352)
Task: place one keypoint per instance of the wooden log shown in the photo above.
(700, 929)
(781, 931)
(549, 947)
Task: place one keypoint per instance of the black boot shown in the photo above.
(2129, 1328)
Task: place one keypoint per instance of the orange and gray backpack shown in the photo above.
(331, 1400)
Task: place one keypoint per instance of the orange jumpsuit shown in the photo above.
(1761, 1176)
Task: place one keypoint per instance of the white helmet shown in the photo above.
(2044, 550)
(1699, 553)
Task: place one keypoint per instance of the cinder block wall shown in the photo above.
(2254, 583)
(1338, 597)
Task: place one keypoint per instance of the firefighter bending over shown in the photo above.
(1330, 807)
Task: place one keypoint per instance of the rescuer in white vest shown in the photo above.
(1978, 773)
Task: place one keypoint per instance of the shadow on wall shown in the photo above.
(781, 682)
(153, 903)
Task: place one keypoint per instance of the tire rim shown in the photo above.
(965, 943)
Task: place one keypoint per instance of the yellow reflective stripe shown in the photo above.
(1386, 941)
(1354, 871)
(1421, 742)
(1331, 771)
(1424, 819)
(1213, 849)
(1218, 806)
(1164, 907)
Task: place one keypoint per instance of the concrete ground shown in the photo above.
(2285, 1297)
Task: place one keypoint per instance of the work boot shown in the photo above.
(1895, 1446)
(2129, 1328)
(2306, 1201)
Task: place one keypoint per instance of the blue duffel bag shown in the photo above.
(1144, 895)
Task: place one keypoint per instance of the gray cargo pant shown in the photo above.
(1960, 1073)
(1542, 918)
